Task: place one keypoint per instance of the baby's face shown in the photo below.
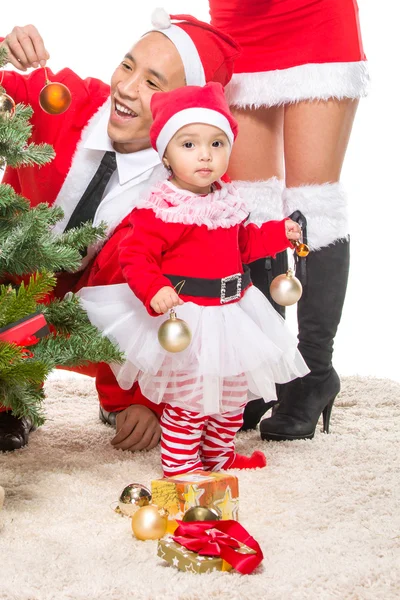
(198, 155)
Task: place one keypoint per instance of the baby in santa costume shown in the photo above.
(191, 228)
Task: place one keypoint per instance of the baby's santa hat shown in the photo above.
(207, 53)
(191, 104)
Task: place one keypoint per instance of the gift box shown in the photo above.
(177, 494)
(205, 546)
(186, 560)
(25, 331)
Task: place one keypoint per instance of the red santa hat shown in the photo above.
(207, 53)
(191, 104)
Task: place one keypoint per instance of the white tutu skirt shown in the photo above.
(238, 351)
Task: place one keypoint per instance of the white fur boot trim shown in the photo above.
(263, 199)
(325, 208)
(304, 82)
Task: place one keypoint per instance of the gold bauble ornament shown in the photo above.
(301, 249)
(174, 334)
(7, 105)
(133, 497)
(286, 289)
(55, 98)
(149, 522)
(200, 513)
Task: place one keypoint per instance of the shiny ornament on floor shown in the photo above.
(286, 289)
(200, 513)
(149, 522)
(133, 497)
(7, 105)
(174, 334)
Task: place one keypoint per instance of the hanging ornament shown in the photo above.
(301, 249)
(286, 289)
(200, 513)
(54, 97)
(133, 497)
(149, 522)
(174, 334)
(7, 105)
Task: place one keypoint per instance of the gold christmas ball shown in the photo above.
(55, 98)
(7, 105)
(174, 334)
(302, 250)
(149, 522)
(286, 289)
(200, 513)
(134, 496)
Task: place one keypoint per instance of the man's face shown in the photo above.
(152, 65)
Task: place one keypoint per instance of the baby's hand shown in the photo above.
(293, 230)
(165, 299)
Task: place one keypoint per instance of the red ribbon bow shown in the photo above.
(220, 538)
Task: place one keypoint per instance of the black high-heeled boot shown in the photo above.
(263, 272)
(302, 401)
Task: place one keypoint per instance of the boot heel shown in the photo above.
(326, 415)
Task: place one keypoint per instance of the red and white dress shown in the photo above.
(179, 233)
(293, 50)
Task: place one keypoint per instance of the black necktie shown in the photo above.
(87, 205)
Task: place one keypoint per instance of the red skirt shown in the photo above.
(293, 50)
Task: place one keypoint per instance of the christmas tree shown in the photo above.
(37, 334)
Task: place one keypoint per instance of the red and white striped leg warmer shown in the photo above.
(217, 449)
(181, 432)
(218, 444)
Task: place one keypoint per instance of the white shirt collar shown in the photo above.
(129, 166)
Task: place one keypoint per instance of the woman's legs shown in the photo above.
(257, 169)
(316, 135)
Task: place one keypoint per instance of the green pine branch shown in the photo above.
(16, 303)
(24, 400)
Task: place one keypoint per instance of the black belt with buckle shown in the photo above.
(226, 289)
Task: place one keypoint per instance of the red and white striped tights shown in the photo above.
(190, 440)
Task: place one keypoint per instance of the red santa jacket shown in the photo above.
(147, 246)
(63, 132)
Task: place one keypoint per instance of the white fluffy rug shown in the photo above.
(325, 512)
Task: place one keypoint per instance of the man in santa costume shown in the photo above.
(104, 163)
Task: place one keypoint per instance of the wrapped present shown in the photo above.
(218, 491)
(204, 546)
(186, 560)
(26, 331)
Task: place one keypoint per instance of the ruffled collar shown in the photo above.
(221, 208)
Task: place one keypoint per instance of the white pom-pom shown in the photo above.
(160, 19)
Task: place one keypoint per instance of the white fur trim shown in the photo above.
(325, 208)
(192, 115)
(160, 18)
(304, 82)
(194, 71)
(263, 199)
(84, 165)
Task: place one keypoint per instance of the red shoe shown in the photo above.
(256, 461)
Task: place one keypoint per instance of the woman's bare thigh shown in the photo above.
(258, 151)
(316, 135)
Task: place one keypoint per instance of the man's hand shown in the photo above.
(293, 230)
(25, 48)
(165, 299)
(137, 429)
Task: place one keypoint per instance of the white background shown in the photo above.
(92, 41)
